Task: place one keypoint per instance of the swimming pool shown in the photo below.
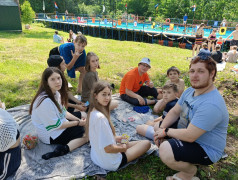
(146, 27)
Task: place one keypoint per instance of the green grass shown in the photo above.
(23, 58)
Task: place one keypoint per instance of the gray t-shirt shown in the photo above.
(208, 112)
(89, 79)
(232, 57)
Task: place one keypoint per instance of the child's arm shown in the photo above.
(208, 38)
(71, 117)
(229, 36)
(79, 105)
(68, 124)
(153, 122)
(158, 119)
(181, 87)
(159, 106)
(134, 95)
(115, 148)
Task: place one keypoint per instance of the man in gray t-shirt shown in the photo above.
(200, 137)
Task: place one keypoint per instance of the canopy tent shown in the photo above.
(10, 15)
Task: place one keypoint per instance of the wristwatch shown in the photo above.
(166, 131)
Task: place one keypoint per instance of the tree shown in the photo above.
(27, 13)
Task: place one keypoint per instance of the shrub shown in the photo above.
(27, 12)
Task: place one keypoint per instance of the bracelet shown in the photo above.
(166, 130)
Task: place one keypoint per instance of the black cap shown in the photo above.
(54, 60)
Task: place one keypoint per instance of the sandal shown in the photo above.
(175, 177)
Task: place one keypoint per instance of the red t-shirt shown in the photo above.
(133, 81)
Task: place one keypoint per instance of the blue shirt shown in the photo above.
(65, 51)
(204, 53)
(208, 112)
(185, 18)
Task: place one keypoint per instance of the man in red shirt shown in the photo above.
(133, 90)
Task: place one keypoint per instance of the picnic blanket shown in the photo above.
(77, 163)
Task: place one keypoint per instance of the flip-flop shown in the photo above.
(175, 177)
(195, 178)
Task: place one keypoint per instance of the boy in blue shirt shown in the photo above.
(74, 56)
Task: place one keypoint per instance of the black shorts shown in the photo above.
(234, 42)
(123, 161)
(68, 135)
(10, 161)
(54, 51)
(189, 152)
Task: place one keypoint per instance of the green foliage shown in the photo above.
(209, 10)
(91, 10)
(159, 19)
(27, 13)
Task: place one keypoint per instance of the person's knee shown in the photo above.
(147, 144)
(113, 104)
(139, 129)
(166, 153)
(155, 109)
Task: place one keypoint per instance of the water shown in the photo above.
(178, 30)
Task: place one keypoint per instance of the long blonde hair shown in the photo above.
(97, 88)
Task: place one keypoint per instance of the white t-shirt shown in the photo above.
(47, 119)
(100, 136)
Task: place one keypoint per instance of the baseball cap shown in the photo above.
(54, 60)
(145, 60)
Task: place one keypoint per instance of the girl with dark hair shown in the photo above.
(107, 149)
(53, 123)
(74, 105)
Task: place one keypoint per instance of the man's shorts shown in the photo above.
(189, 152)
(234, 42)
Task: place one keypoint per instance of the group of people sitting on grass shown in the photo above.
(192, 130)
(214, 45)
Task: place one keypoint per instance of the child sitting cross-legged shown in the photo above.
(170, 94)
(108, 150)
(173, 75)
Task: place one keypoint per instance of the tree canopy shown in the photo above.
(205, 9)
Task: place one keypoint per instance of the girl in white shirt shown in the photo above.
(49, 115)
(107, 151)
